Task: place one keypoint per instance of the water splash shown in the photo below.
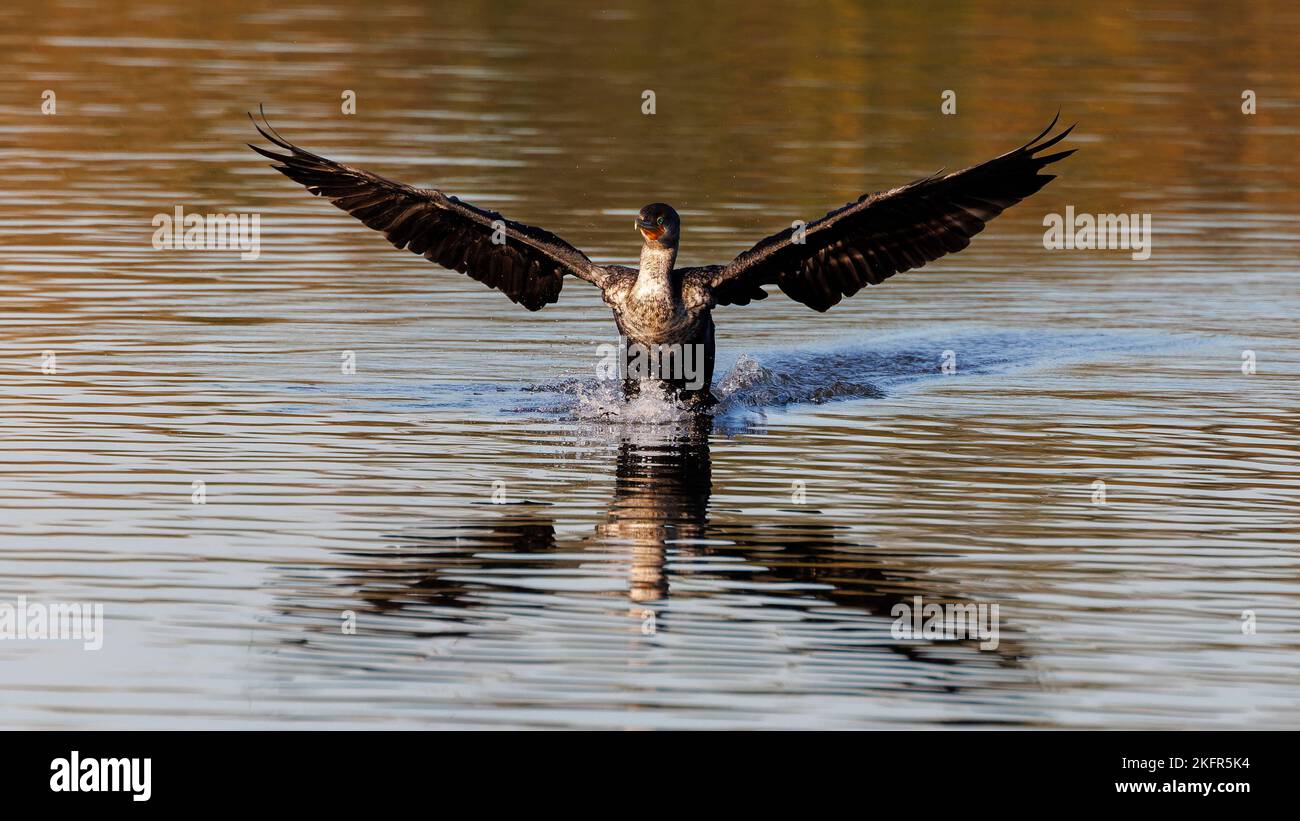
(603, 401)
(750, 384)
(769, 380)
(776, 379)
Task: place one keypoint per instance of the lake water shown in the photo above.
(513, 548)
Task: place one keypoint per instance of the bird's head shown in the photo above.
(659, 224)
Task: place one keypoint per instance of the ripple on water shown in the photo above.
(518, 545)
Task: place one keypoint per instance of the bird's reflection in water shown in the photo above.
(454, 578)
(661, 497)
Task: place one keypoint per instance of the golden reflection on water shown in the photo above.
(370, 493)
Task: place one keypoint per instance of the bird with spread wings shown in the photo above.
(817, 263)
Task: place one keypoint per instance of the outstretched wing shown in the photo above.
(879, 235)
(525, 263)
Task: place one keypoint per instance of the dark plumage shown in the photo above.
(878, 235)
(863, 243)
(527, 264)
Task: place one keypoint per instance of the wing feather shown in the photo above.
(528, 267)
(869, 240)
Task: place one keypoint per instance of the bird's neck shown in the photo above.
(655, 279)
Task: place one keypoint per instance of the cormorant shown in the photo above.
(659, 306)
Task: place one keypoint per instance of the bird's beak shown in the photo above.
(648, 229)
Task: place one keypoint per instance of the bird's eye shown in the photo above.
(659, 221)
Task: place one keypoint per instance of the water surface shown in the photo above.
(518, 550)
